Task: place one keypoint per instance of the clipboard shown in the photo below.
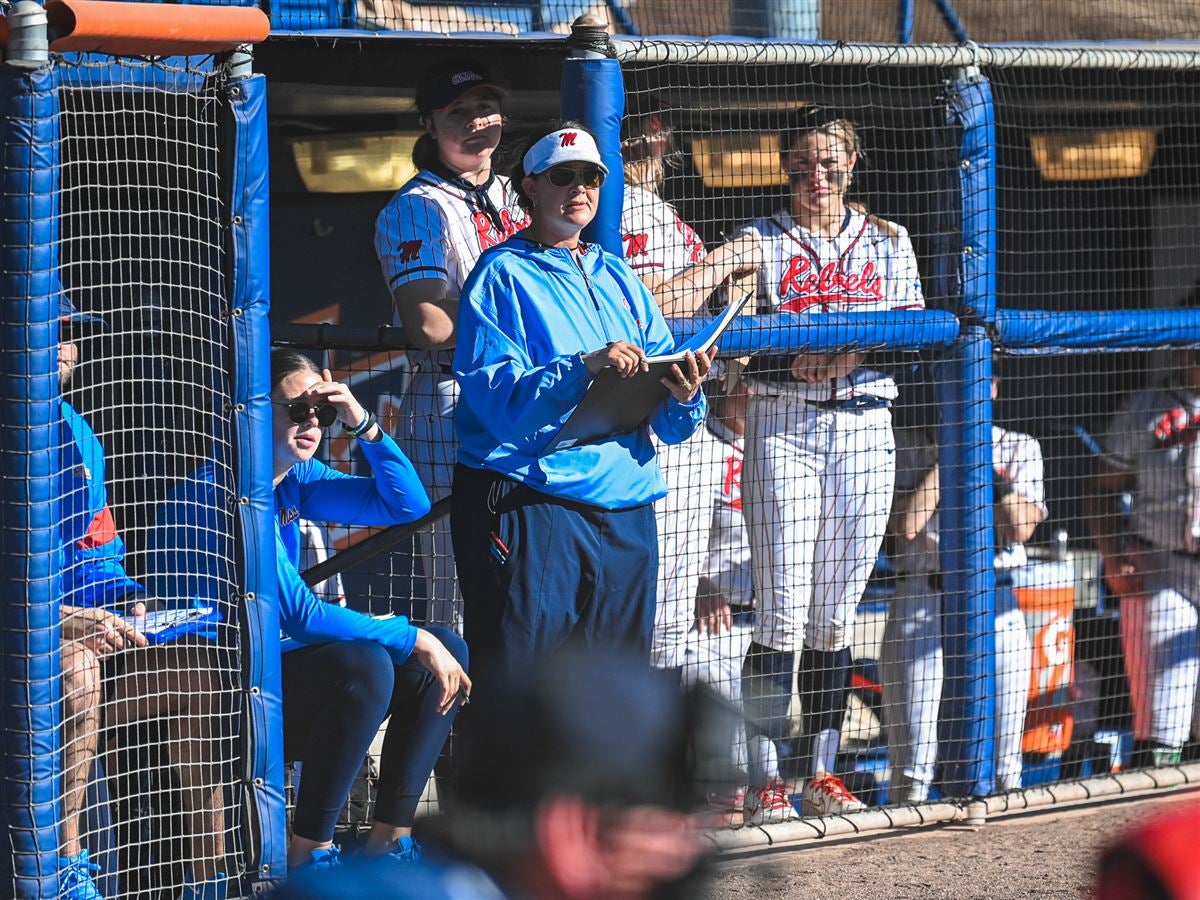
(614, 405)
(165, 625)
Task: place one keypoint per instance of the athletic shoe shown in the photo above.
(726, 810)
(75, 878)
(825, 795)
(771, 804)
(325, 857)
(406, 850)
(1166, 756)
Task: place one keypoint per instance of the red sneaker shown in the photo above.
(826, 795)
(771, 804)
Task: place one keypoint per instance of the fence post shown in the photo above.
(965, 458)
(30, 708)
(265, 827)
(593, 92)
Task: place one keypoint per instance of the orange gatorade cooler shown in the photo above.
(1046, 594)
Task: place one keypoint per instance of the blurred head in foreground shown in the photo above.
(581, 785)
(1155, 860)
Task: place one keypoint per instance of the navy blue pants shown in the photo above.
(537, 572)
(334, 698)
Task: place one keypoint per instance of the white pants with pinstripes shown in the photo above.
(911, 668)
(816, 491)
(1160, 635)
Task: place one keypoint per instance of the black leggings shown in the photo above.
(334, 698)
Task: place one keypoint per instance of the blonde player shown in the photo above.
(910, 656)
(819, 466)
(1152, 557)
(427, 239)
(670, 259)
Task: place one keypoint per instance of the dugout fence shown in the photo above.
(1001, 163)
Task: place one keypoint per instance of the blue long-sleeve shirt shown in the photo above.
(92, 554)
(190, 544)
(526, 316)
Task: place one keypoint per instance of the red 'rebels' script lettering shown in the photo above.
(568, 139)
(636, 245)
(488, 234)
(800, 286)
(732, 486)
(409, 251)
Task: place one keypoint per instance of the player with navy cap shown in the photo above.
(427, 239)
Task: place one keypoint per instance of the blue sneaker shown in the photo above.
(75, 878)
(406, 850)
(325, 857)
(216, 888)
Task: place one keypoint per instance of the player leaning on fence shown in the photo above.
(428, 238)
(819, 464)
(554, 544)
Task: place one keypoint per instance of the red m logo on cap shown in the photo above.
(568, 139)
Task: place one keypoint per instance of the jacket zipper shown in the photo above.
(596, 303)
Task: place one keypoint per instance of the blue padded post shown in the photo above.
(972, 109)
(966, 553)
(593, 92)
(965, 459)
(30, 713)
(262, 710)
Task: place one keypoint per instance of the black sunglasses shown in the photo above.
(565, 176)
(300, 411)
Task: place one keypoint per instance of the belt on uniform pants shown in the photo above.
(865, 401)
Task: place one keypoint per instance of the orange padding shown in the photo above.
(151, 29)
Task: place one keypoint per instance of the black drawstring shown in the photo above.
(480, 192)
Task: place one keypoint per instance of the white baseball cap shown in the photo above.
(563, 146)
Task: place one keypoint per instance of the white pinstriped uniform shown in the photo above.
(1154, 438)
(910, 656)
(434, 229)
(716, 659)
(656, 242)
(817, 483)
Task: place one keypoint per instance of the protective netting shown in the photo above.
(903, 587)
(141, 255)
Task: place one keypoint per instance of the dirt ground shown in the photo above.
(1047, 856)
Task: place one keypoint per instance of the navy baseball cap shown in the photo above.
(602, 727)
(446, 81)
(70, 316)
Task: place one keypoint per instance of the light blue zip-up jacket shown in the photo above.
(526, 316)
(191, 549)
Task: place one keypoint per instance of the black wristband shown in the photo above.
(363, 427)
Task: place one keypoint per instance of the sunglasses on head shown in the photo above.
(565, 176)
(300, 411)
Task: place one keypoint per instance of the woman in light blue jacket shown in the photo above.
(557, 543)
